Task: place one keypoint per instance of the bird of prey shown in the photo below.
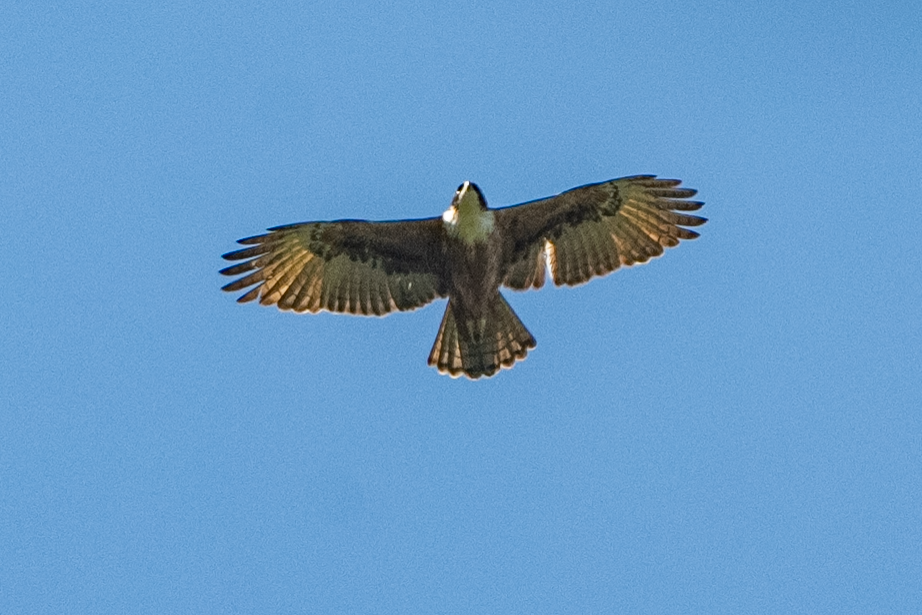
(466, 254)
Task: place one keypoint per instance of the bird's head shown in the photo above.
(468, 216)
(468, 197)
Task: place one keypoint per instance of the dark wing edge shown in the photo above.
(348, 266)
(593, 230)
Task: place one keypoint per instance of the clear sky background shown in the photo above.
(735, 427)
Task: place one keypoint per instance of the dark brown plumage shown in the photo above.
(373, 268)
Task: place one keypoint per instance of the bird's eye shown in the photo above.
(459, 188)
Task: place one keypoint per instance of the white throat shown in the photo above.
(467, 219)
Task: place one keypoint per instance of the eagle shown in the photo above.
(467, 254)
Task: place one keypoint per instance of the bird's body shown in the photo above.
(479, 332)
(467, 254)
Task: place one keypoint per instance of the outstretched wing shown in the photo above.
(594, 229)
(353, 266)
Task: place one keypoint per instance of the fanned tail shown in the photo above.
(480, 346)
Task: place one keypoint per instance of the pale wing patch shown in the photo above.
(550, 257)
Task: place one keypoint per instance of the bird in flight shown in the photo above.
(466, 254)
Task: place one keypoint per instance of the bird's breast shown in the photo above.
(469, 225)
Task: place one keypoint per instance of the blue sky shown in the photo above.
(732, 428)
